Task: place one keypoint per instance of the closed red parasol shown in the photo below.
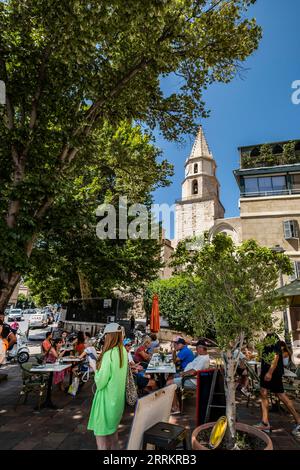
(154, 319)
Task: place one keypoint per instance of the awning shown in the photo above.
(290, 290)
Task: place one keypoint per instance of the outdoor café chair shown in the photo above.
(32, 382)
(184, 393)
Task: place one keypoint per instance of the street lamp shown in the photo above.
(280, 249)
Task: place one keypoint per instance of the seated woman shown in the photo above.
(79, 343)
(46, 344)
(143, 381)
(53, 355)
(141, 355)
(154, 343)
(243, 355)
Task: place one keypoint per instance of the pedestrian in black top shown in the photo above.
(132, 322)
(271, 380)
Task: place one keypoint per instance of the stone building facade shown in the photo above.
(269, 183)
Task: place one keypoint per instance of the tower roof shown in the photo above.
(200, 147)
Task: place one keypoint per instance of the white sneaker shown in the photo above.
(263, 427)
(296, 431)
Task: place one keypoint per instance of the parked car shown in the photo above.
(15, 314)
(38, 320)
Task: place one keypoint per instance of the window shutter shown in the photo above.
(297, 269)
(296, 274)
(287, 230)
(290, 228)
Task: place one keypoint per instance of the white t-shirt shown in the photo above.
(91, 355)
(200, 362)
(130, 358)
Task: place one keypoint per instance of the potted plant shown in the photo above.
(235, 297)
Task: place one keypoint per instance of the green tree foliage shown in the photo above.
(69, 244)
(235, 297)
(71, 66)
(176, 304)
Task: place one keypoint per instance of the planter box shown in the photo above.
(239, 427)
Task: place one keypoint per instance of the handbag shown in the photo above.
(131, 390)
(74, 386)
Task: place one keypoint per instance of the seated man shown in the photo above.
(182, 354)
(200, 362)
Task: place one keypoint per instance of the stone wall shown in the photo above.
(262, 219)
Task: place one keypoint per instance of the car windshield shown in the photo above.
(14, 311)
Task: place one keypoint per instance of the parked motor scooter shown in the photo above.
(20, 350)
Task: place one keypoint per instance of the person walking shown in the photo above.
(271, 380)
(109, 400)
(132, 322)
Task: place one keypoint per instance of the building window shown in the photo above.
(196, 168)
(195, 187)
(265, 185)
(296, 182)
(290, 228)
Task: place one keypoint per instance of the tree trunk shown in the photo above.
(84, 285)
(8, 282)
(230, 398)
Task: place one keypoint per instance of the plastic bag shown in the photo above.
(73, 389)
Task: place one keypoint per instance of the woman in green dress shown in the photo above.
(109, 400)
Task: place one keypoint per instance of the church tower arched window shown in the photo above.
(195, 168)
(195, 187)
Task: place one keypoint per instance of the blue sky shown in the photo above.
(255, 109)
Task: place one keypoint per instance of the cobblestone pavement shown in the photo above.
(65, 428)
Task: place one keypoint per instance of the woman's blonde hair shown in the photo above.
(147, 339)
(111, 341)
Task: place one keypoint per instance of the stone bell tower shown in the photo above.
(200, 205)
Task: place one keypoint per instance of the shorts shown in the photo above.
(188, 383)
(275, 385)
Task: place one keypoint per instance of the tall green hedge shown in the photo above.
(176, 301)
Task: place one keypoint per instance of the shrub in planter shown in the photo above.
(236, 298)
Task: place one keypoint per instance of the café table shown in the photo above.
(161, 368)
(73, 361)
(56, 367)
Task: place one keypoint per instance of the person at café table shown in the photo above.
(54, 355)
(143, 381)
(79, 343)
(200, 362)
(182, 354)
(141, 354)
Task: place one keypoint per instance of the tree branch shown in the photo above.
(37, 95)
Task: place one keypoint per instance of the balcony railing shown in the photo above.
(280, 192)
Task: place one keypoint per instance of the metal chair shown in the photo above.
(33, 382)
(184, 393)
